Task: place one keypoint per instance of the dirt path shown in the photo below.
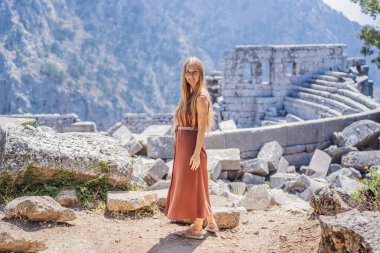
(93, 231)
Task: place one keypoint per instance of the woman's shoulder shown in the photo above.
(204, 93)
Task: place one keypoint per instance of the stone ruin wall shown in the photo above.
(138, 122)
(61, 123)
(258, 77)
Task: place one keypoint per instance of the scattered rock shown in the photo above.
(328, 201)
(160, 184)
(156, 172)
(271, 153)
(238, 188)
(349, 172)
(248, 178)
(229, 158)
(319, 164)
(303, 186)
(347, 184)
(67, 198)
(214, 168)
(227, 125)
(279, 179)
(257, 198)
(360, 159)
(336, 152)
(127, 140)
(255, 166)
(359, 134)
(126, 201)
(38, 208)
(283, 165)
(10, 244)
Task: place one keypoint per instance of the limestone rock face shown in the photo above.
(10, 244)
(38, 208)
(49, 151)
(350, 231)
(358, 134)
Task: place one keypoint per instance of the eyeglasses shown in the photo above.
(194, 73)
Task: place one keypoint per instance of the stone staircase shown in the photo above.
(329, 94)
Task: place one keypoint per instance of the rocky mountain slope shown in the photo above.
(103, 59)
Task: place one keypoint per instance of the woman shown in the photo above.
(188, 196)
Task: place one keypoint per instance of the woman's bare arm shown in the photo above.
(202, 110)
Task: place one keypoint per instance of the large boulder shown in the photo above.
(359, 134)
(38, 208)
(350, 231)
(361, 159)
(48, 152)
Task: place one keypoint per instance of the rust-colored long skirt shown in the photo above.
(188, 196)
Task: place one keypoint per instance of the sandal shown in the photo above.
(191, 233)
(212, 227)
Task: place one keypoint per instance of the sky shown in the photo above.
(352, 11)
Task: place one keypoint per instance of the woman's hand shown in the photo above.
(195, 161)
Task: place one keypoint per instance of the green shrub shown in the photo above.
(94, 189)
(368, 197)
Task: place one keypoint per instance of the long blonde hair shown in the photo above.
(188, 98)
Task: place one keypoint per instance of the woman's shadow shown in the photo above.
(174, 243)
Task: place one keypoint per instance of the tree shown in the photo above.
(369, 34)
